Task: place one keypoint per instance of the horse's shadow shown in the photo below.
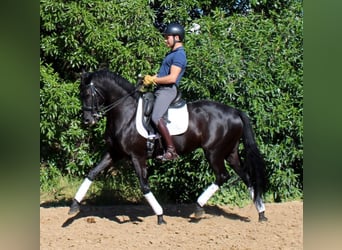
(134, 213)
(122, 213)
(187, 211)
(217, 211)
(119, 213)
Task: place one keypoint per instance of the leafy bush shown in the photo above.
(182, 180)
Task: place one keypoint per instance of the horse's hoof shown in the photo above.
(262, 217)
(74, 208)
(161, 220)
(199, 211)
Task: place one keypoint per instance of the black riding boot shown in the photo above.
(170, 153)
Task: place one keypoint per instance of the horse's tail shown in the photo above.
(253, 161)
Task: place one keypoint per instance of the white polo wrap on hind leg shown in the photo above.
(158, 210)
(206, 195)
(258, 202)
(259, 205)
(251, 192)
(83, 190)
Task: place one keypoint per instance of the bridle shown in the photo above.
(96, 109)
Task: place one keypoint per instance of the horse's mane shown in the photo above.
(106, 75)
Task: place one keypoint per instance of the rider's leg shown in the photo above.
(170, 153)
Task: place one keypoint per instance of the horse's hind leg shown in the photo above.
(217, 163)
(235, 162)
(82, 190)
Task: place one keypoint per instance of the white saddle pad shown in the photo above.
(178, 117)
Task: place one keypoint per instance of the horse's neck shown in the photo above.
(123, 104)
(123, 112)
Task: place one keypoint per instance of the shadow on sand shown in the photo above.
(124, 213)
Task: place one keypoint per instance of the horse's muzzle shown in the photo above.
(89, 120)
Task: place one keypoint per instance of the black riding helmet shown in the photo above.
(174, 29)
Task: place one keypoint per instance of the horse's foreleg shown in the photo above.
(82, 190)
(141, 170)
(158, 210)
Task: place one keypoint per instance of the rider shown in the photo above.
(167, 80)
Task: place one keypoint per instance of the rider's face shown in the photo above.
(169, 40)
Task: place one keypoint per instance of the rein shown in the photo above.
(102, 110)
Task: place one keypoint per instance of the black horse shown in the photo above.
(214, 127)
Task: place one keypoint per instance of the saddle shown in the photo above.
(148, 99)
(176, 118)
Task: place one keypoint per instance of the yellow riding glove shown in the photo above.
(148, 80)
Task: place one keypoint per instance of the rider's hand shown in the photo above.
(148, 80)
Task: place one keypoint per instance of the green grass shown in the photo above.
(106, 191)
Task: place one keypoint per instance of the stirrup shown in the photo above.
(170, 154)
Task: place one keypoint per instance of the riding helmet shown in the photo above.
(175, 29)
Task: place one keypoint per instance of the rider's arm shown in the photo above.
(170, 78)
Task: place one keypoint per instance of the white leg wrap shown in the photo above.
(205, 196)
(258, 202)
(158, 210)
(82, 190)
(259, 205)
(251, 192)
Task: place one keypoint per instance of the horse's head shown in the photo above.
(92, 99)
(101, 92)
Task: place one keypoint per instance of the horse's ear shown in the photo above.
(104, 66)
(83, 72)
(84, 76)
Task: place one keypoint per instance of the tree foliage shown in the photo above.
(248, 54)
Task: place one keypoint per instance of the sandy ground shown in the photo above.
(135, 227)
